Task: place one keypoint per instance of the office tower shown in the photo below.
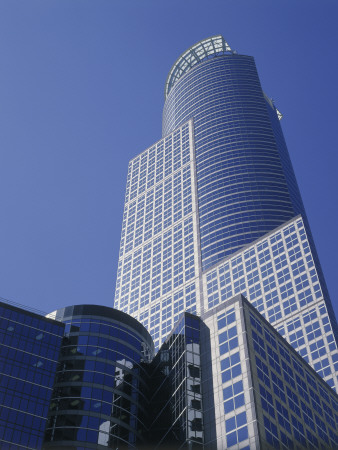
(100, 396)
(218, 263)
(213, 210)
(159, 267)
(265, 395)
(29, 351)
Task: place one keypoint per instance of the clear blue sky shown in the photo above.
(81, 93)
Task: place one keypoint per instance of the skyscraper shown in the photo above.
(213, 210)
(217, 261)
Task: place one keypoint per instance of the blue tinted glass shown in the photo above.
(232, 439)
(223, 337)
(231, 318)
(227, 393)
(221, 323)
(236, 370)
(233, 343)
(225, 363)
(226, 376)
(232, 332)
(230, 424)
(238, 387)
(242, 434)
(239, 400)
(235, 358)
(224, 348)
(236, 202)
(229, 406)
(241, 419)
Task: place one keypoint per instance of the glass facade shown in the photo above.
(29, 351)
(277, 274)
(213, 209)
(296, 409)
(265, 394)
(218, 264)
(243, 188)
(176, 399)
(231, 422)
(100, 396)
(159, 263)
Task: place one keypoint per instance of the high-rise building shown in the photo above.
(218, 263)
(213, 210)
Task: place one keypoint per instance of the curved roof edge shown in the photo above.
(207, 48)
(105, 312)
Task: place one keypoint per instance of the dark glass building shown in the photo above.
(176, 395)
(100, 395)
(227, 380)
(29, 352)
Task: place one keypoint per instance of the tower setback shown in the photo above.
(218, 273)
(213, 210)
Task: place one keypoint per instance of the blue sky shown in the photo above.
(81, 93)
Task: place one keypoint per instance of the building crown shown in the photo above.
(205, 49)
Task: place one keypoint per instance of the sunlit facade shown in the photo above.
(213, 209)
(278, 275)
(159, 265)
(263, 395)
(245, 183)
(217, 272)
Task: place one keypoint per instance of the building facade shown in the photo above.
(265, 395)
(29, 353)
(159, 266)
(176, 399)
(245, 182)
(86, 378)
(213, 209)
(217, 271)
(278, 275)
(100, 396)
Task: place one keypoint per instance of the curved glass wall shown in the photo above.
(100, 397)
(207, 48)
(244, 187)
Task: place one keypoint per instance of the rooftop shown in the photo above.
(205, 49)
